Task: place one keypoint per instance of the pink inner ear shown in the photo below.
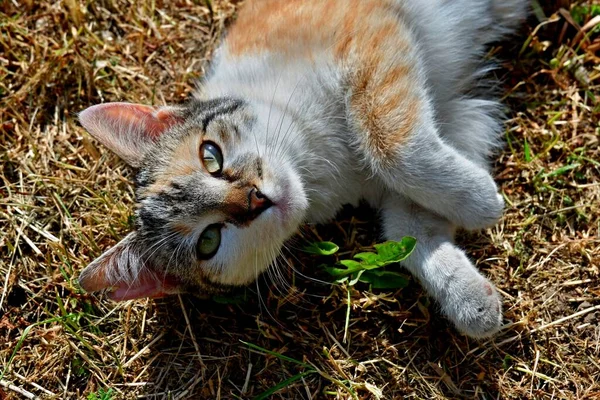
(154, 121)
(128, 129)
(147, 284)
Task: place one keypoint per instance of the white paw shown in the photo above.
(476, 309)
(484, 208)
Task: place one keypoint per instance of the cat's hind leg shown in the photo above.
(465, 297)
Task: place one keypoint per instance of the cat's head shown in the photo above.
(214, 202)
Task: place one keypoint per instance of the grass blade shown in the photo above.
(283, 384)
(275, 354)
(24, 336)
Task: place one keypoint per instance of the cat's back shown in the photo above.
(315, 28)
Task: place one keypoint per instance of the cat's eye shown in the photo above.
(211, 158)
(209, 242)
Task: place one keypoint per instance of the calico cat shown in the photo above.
(310, 105)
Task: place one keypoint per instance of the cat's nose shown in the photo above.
(258, 201)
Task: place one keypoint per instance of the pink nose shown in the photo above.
(258, 201)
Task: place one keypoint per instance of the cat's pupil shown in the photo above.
(209, 242)
(211, 157)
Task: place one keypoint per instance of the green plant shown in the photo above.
(370, 267)
(101, 394)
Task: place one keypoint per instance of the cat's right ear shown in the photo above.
(128, 129)
(126, 275)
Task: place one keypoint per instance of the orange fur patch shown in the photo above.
(367, 40)
(236, 203)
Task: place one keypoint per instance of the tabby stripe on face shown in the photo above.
(224, 106)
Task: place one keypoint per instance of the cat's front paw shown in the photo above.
(484, 207)
(492, 211)
(476, 310)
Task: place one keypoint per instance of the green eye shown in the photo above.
(209, 242)
(211, 157)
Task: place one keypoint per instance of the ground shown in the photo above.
(65, 199)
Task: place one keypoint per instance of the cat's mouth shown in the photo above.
(282, 206)
(289, 202)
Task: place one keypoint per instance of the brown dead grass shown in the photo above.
(65, 199)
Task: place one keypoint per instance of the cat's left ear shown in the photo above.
(126, 275)
(128, 129)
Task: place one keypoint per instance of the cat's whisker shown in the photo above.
(133, 275)
(284, 113)
(130, 272)
(178, 249)
(271, 109)
(297, 271)
(261, 301)
(298, 294)
(285, 144)
(256, 273)
(272, 271)
(281, 286)
(158, 243)
(291, 294)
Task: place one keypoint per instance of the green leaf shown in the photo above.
(380, 279)
(368, 257)
(369, 267)
(354, 266)
(322, 248)
(391, 252)
(507, 362)
(337, 272)
(351, 264)
(356, 278)
(351, 267)
(101, 395)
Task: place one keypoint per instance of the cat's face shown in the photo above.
(214, 202)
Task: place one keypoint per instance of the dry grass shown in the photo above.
(65, 199)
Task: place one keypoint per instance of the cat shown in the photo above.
(311, 105)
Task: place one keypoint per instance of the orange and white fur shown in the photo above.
(310, 105)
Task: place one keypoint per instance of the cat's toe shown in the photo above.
(478, 313)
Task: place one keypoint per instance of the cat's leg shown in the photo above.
(437, 176)
(391, 114)
(466, 298)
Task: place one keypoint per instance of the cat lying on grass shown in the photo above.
(310, 105)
